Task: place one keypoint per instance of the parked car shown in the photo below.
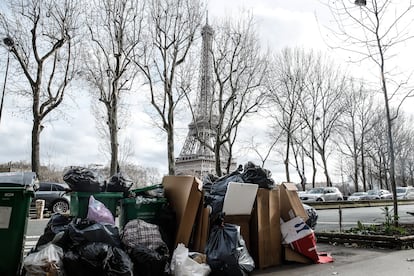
(377, 194)
(313, 216)
(405, 192)
(55, 196)
(357, 196)
(321, 194)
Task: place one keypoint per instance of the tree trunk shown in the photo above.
(171, 158)
(325, 170)
(36, 146)
(287, 157)
(217, 157)
(113, 130)
(363, 166)
(313, 160)
(36, 131)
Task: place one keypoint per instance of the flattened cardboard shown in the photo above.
(290, 204)
(237, 193)
(184, 195)
(265, 237)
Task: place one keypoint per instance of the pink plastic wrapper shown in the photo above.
(98, 212)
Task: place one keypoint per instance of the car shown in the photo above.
(321, 194)
(377, 194)
(312, 215)
(405, 192)
(55, 196)
(357, 196)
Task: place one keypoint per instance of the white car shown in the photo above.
(321, 194)
(357, 196)
(377, 194)
(405, 192)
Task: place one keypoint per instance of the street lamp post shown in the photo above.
(9, 43)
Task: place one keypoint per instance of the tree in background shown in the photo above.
(168, 38)
(114, 37)
(356, 123)
(239, 70)
(41, 38)
(286, 83)
(374, 31)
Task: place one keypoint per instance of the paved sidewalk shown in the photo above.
(351, 262)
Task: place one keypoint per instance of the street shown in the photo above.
(328, 220)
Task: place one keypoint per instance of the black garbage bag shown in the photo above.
(208, 181)
(119, 263)
(222, 250)
(119, 183)
(149, 262)
(219, 187)
(166, 220)
(97, 258)
(215, 192)
(86, 231)
(56, 224)
(216, 204)
(72, 264)
(82, 179)
(257, 175)
(93, 256)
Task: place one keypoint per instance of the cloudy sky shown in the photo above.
(71, 138)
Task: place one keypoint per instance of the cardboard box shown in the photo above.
(202, 230)
(265, 237)
(184, 193)
(244, 222)
(290, 204)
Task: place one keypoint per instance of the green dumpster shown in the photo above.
(141, 206)
(16, 192)
(79, 202)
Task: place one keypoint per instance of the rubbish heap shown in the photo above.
(183, 226)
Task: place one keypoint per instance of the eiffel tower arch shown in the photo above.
(196, 157)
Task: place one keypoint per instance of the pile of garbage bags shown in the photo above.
(72, 246)
(82, 179)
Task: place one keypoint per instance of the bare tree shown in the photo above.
(239, 70)
(286, 85)
(355, 125)
(41, 38)
(322, 106)
(114, 37)
(376, 150)
(172, 26)
(375, 31)
(403, 138)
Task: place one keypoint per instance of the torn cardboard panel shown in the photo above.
(184, 194)
(290, 204)
(293, 256)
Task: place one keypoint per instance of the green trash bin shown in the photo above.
(145, 209)
(79, 202)
(141, 206)
(16, 192)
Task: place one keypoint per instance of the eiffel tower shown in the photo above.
(196, 157)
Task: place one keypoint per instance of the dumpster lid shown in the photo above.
(24, 179)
